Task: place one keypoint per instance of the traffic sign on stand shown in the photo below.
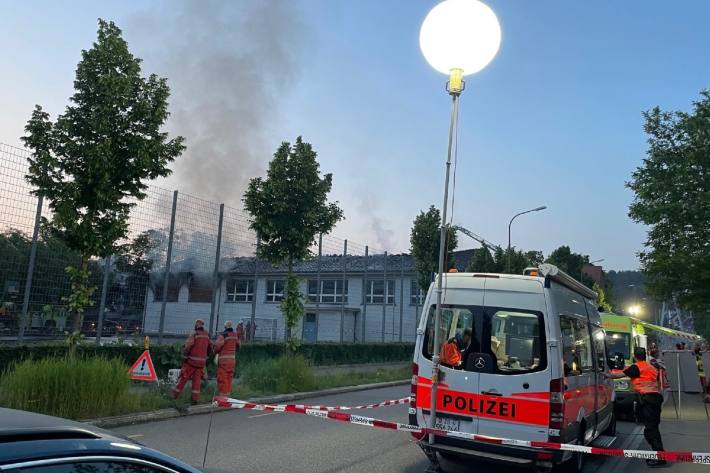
(142, 369)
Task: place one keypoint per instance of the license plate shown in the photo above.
(445, 423)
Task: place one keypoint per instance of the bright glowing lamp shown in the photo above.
(460, 37)
(457, 38)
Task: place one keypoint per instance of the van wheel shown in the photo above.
(611, 429)
(574, 464)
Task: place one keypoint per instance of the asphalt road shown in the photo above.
(253, 441)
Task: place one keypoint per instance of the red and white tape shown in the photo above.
(391, 402)
(671, 456)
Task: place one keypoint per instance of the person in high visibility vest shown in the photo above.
(226, 347)
(195, 352)
(646, 381)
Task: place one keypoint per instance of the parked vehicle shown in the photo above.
(36, 443)
(623, 335)
(533, 370)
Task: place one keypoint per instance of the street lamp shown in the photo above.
(536, 209)
(457, 38)
(581, 270)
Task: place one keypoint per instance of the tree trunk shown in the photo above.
(290, 273)
(78, 316)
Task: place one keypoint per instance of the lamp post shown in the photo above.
(457, 38)
(536, 209)
(581, 270)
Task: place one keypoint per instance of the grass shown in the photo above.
(81, 388)
(74, 388)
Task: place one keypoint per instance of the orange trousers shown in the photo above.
(225, 374)
(187, 373)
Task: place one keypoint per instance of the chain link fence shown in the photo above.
(188, 258)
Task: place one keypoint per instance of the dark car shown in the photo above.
(36, 443)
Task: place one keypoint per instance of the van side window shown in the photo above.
(599, 347)
(576, 345)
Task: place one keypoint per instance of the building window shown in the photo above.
(376, 291)
(416, 295)
(240, 290)
(331, 291)
(275, 290)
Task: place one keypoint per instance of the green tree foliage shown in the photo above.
(483, 261)
(672, 197)
(425, 239)
(93, 162)
(289, 208)
(571, 263)
(602, 301)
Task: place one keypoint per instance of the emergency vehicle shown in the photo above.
(623, 335)
(533, 369)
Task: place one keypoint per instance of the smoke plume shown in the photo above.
(226, 63)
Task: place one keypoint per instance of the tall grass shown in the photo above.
(283, 375)
(74, 388)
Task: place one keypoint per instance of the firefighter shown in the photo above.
(646, 381)
(195, 353)
(226, 346)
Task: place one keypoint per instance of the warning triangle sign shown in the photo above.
(143, 369)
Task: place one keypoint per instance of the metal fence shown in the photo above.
(190, 258)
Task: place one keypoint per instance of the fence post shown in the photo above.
(365, 289)
(30, 269)
(215, 274)
(168, 258)
(385, 297)
(401, 294)
(318, 283)
(252, 318)
(102, 301)
(342, 298)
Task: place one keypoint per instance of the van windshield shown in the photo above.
(510, 338)
(618, 343)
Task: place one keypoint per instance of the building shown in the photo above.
(349, 299)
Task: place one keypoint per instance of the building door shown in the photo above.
(309, 327)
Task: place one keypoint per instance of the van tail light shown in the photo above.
(413, 401)
(413, 390)
(557, 408)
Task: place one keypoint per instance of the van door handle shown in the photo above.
(492, 392)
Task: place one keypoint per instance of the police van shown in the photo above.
(532, 368)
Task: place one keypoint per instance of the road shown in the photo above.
(253, 441)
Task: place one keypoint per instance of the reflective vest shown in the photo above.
(227, 345)
(196, 348)
(647, 382)
(450, 354)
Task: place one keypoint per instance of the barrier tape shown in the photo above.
(391, 402)
(671, 456)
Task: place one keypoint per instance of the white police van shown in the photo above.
(533, 369)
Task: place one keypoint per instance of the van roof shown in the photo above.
(547, 271)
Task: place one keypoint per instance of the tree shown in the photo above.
(672, 197)
(289, 208)
(602, 301)
(571, 263)
(425, 239)
(482, 261)
(93, 161)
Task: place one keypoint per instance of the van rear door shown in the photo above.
(456, 407)
(514, 391)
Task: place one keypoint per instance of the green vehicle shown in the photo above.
(623, 334)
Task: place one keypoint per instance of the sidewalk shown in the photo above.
(684, 435)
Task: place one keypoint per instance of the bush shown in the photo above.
(286, 374)
(166, 357)
(72, 388)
